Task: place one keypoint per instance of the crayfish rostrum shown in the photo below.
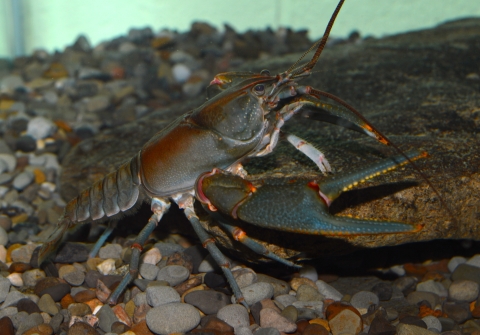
(244, 120)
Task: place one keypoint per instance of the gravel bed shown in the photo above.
(50, 102)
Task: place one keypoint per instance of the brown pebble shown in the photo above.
(27, 305)
(53, 286)
(301, 325)
(42, 329)
(119, 327)
(315, 329)
(180, 258)
(215, 323)
(187, 285)
(130, 308)
(140, 313)
(122, 315)
(82, 328)
(19, 267)
(141, 328)
(476, 312)
(6, 326)
(84, 296)
(102, 292)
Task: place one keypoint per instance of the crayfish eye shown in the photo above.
(259, 89)
(265, 72)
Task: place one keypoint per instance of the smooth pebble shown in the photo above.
(172, 318)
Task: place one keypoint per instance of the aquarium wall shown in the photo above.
(51, 25)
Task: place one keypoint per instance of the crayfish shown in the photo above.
(244, 120)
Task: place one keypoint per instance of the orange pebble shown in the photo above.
(39, 176)
(433, 275)
(426, 311)
(415, 269)
(10, 249)
(63, 125)
(94, 303)
(66, 301)
(321, 322)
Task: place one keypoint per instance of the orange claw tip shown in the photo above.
(211, 207)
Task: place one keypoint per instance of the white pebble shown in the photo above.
(308, 271)
(15, 279)
(40, 127)
(398, 270)
(328, 291)
(152, 256)
(181, 73)
(106, 266)
(51, 162)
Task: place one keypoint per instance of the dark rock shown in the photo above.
(457, 312)
(208, 301)
(214, 280)
(91, 278)
(72, 252)
(26, 143)
(81, 328)
(27, 305)
(197, 254)
(52, 286)
(383, 291)
(381, 326)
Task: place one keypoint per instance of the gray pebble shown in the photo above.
(279, 286)
(463, 290)
(12, 298)
(40, 127)
(75, 278)
(22, 180)
(328, 291)
(9, 311)
(47, 304)
(414, 298)
(161, 295)
(432, 323)
(4, 288)
(110, 251)
(167, 249)
(148, 271)
(474, 261)
(10, 160)
(18, 319)
(23, 254)
(468, 272)
(267, 331)
(244, 276)
(5, 178)
(55, 322)
(173, 274)
(433, 287)
(106, 318)
(3, 237)
(286, 299)
(140, 299)
(235, 315)
(172, 318)
(208, 265)
(3, 166)
(316, 306)
(454, 262)
(30, 321)
(256, 292)
(363, 299)
(31, 277)
(308, 293)
(243, 331)
(208, 301)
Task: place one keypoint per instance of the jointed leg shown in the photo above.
(159, 207)
(239, 235)
(209, 243)
(101, 240)
(311, 152)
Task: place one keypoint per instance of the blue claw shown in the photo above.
(299, 206)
